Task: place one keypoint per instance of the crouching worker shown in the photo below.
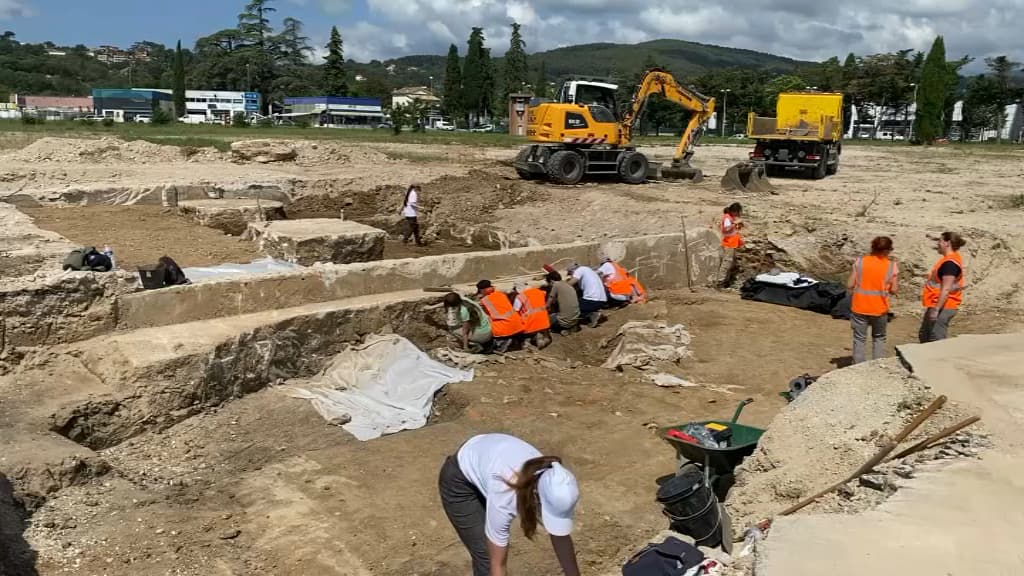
(531, 303)
(563, 305)
(622, 288)
(468, 322)
(506, 324)
(492, 479)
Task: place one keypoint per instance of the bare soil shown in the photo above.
(140, 235)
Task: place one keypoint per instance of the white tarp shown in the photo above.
(382, 386)
(790, 279)
(642, 344)
(261, 266)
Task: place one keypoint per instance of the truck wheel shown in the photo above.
(521, 159)
(833, 168)
(819, 171)
(633, 168)
(565, 167)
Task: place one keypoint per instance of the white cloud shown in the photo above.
(802, 29)
(14, 8)
(333, 7)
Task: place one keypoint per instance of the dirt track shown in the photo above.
(306, 498)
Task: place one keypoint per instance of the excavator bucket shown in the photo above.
(747, 177)
(681, 171)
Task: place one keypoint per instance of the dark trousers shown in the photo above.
(466, 509)
(412, 230)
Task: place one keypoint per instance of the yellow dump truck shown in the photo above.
(804, 137)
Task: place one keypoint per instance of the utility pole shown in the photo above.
(910, 135)
(725, 108)
(431, 85)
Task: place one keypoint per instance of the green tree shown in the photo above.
(983, 105)
(257, 34)
(335, 79)
(540, 84)
(452, 103)
(931, 94)
(179, 83)
(474, 79)
(1001, 69)
(516, 69)
(291, 60)
(488, 94)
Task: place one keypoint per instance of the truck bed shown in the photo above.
(762, 128)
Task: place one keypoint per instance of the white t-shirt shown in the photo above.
(606, 269)
(590, 284)
(727, 224)
(411, 205)
(487, 461)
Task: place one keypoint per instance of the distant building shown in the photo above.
(336, 111)
(125, 104)
(112, 54)
(217, 105)
(421, 95)
(53, 107)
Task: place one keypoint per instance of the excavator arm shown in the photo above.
(701, 108)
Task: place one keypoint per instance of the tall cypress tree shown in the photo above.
(540, 84)
(931, 94)
(179, 83)
(453, 83)
(335, 79)
(472, 95)
(516, 68)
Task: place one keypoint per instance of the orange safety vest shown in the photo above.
(730, 238)
(873, 279)
(534, 310)
(618, 281)
(933, 286)
(504, 320)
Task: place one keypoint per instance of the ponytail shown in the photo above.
(525, 486)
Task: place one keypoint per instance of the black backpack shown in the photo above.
(673, 557)
(173, 274)
(87, 259)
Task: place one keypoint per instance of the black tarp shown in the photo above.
(824, 297)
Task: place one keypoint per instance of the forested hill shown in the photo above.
(51, 69)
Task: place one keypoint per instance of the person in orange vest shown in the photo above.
(530, 302)
(506, 324)
(873, 279)
(729, 227)
(621, 287)
(943, 290)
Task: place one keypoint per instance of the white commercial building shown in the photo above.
(218, 105)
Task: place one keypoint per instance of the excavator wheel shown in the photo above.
(522, 157)
(633, 168)
(747, 177)
(565, 167)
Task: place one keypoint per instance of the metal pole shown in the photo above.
(725, 109)
(910, 136)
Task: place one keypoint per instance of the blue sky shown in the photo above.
(803, 29)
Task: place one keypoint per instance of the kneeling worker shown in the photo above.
(506, 325)
(468, 322)
(592, 296)
(531, 303)
(622, 288)
(563, 305)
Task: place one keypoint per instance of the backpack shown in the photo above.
(87, 259)
(173, 274)
(673, 557)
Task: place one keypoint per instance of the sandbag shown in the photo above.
(824, 297)
(673, 557)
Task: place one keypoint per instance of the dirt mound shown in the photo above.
(827, 433)
(101, 151)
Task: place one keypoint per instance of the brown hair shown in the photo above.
(527, 500)
(733, 209)
(880, 245)
(454, 300)
(954, 239)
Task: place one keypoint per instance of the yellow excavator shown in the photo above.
(579, 135)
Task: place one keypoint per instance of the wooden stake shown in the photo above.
(686, 253)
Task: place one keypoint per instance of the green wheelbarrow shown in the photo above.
(717, 463)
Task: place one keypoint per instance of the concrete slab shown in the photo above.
(962, 520)
(231, 215)
(312, 240)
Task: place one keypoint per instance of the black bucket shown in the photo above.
(152, 276)
(692, 507)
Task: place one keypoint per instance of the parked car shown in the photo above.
(482, 128)
(144, 119)
(90, 117)
(444, 125)
(740, 136)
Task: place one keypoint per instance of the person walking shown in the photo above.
(729, 227)
(873, 279)
(943, 290)
(492, 479)
(411, 211)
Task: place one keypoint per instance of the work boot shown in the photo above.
(594, 319)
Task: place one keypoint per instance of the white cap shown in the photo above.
(558, 496)
(519, 285)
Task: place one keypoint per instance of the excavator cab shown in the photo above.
(589, 93)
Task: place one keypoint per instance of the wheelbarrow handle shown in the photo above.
(739, 409)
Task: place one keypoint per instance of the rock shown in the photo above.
(904, 471)
(263, 151)
(229, 534)
(308, 241)
(231, 215)
(846, 491)
(878, 482)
